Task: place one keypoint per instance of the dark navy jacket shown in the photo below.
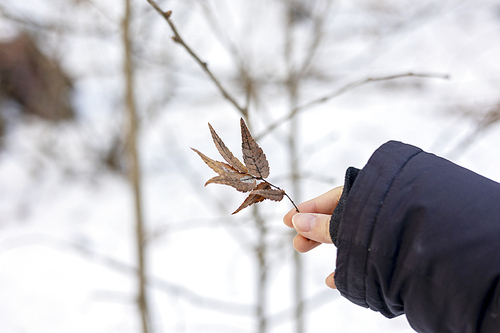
(420, 236)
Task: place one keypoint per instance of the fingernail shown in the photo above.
(303, 222)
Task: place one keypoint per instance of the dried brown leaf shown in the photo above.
(226, 153)
(253, 198)
(272, 194)
(240, 181)
(253, 156)
(243, 177)
(219, 167)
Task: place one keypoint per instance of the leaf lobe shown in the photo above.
(253, 156)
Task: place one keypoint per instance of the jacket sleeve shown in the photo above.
(420, 236)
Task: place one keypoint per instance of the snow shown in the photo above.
(66, 221)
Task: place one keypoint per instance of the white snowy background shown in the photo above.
(67, 223)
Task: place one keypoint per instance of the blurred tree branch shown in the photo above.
(178, 39)
(482, 123)
(248, 84)
(295, 13)
(134, 169)
(172, 289)
(312, 302)
(262, 273)
(317, 38)
(56, 26)
(337, 92)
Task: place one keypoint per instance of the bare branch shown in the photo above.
(178, 39)
(340, 91)
(134, 169)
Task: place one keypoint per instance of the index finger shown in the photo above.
(324, 204)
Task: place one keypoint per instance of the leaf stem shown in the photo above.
(278, 188)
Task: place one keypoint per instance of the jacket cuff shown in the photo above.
(350, 176)
(354, 244)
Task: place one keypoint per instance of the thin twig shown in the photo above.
(178, 39)
(340, 91)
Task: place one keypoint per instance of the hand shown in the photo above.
(313, 223)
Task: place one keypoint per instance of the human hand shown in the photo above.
(313, 223)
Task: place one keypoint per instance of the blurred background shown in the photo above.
(105, 225)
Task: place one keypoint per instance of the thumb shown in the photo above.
(313, 226)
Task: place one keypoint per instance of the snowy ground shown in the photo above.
(66, 226)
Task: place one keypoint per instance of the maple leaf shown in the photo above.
(248, 177)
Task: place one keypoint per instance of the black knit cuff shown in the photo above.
(350, 177)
